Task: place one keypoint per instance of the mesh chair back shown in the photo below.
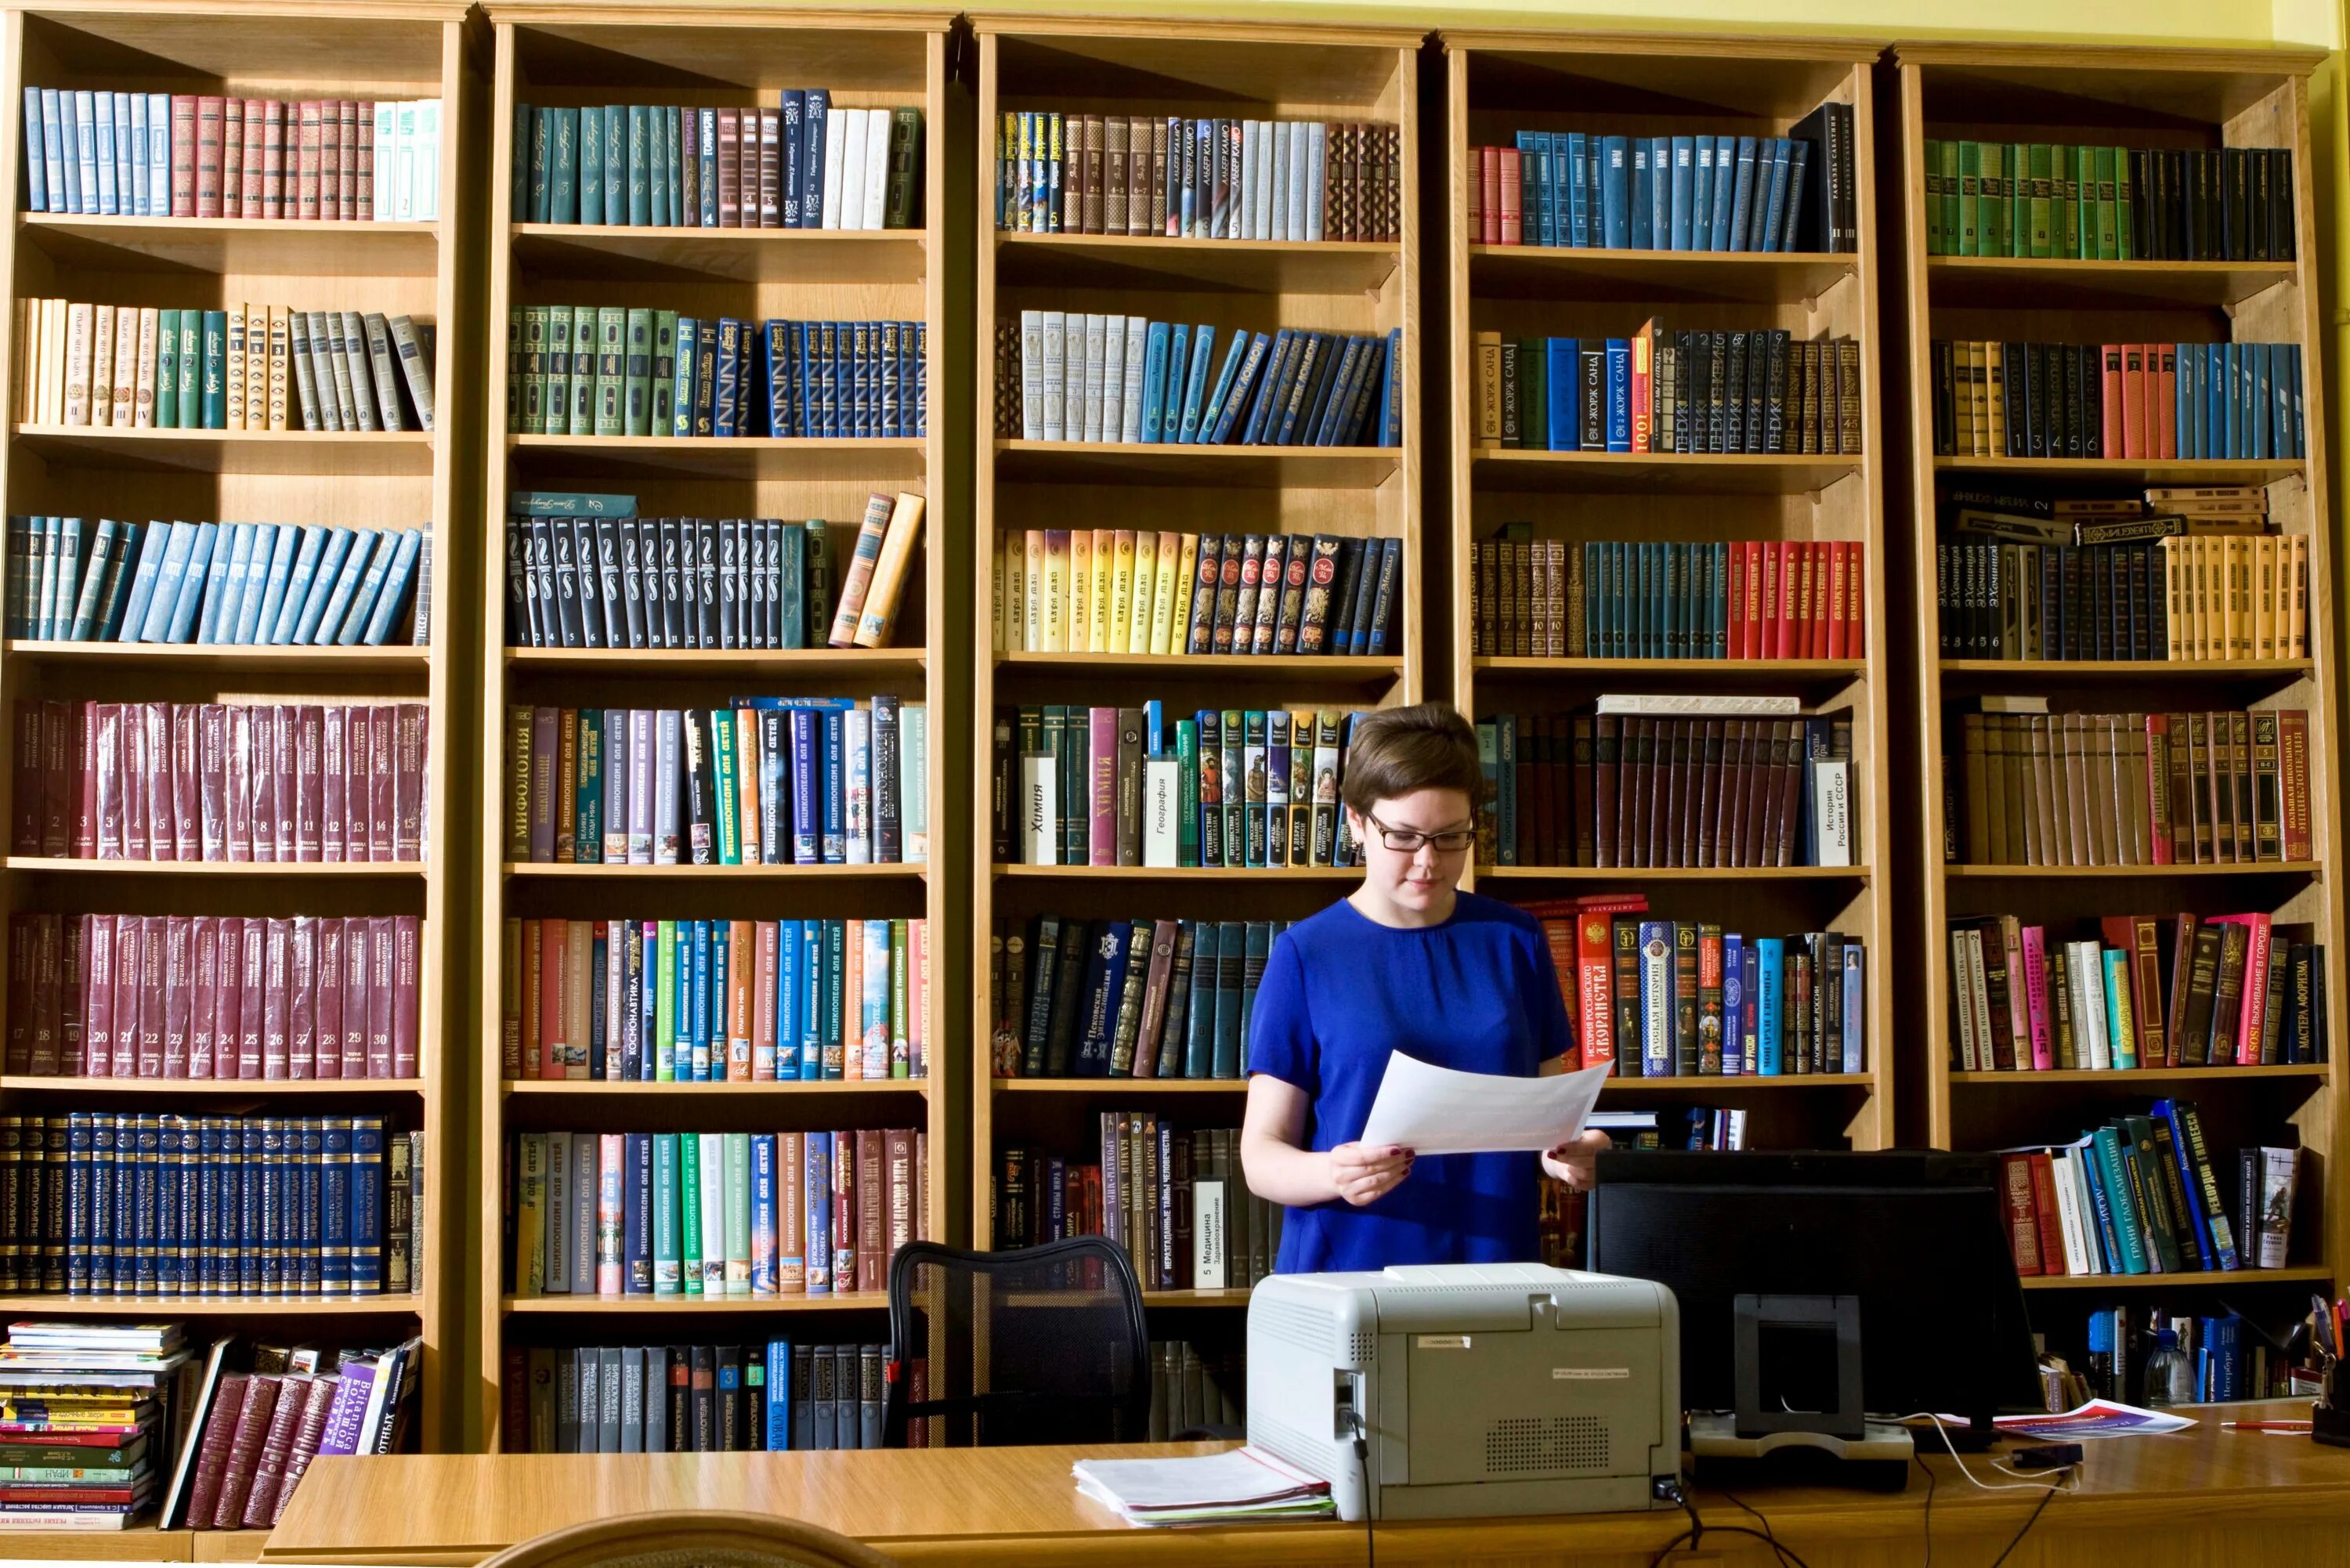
(1042, 1345)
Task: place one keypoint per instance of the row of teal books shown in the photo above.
(241, 583)
(629, 370)
(802, 163)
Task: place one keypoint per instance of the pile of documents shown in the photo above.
(1213, 1488)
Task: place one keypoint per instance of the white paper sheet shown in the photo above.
(1436, 1110)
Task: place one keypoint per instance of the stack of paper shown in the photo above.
(1213, 1488)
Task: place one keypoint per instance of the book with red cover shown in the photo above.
(56, 793)
(409, 746)
(358, 773)
(327, 1004)
(204, 1001)
(301, 1013)
(244, 1451)
(276, 1448)
(255, 160)
(272, 161)
(2022, 1212)
(285, 741)
(364, 195)
(228, 1033)
(85, 783)
(150, 1058)
(128, 932)
(334, 762)
(179, 993)
(872, 1213)
(307, 1432)
(308, 142)
(155, 782)
(252, 1003)
(211, 115)
(383, 768)
(1606, 751)
(310, 792)
(213, 1452)
(381, 984)
(843, 1210)
(406, 957)
(97, 1059)
(236, 782)
(278, 943)
(346, 164)
(355, 998)
(212, 781)
(41, 1041)
(730, 170)
(259, 782)
(232, 158)
(183, 155)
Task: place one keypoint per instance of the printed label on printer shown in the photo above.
(1441, 1340)
(1584, 1373)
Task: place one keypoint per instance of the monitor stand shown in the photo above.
(1829, 1442)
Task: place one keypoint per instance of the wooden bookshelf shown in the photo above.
(1094, 65)
(307, 49)
(2190, 98)
(1499, 83)
(720, 52)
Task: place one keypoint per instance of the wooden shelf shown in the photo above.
(32, 1082)
(254, 247)
(2124, 473)
(345, 871)
(883, 462)
(220, 656)
(1155, 261)
(608, 51)
(70, 1306)
(628, 252)
(2119, 1078)
(1500, 82)
(1693, 277)
(1642, 472)
(639, 1306)
(336, 454)
(529, 1088)
(1224, 1298)
(1290, 670)
(2227, 1279)
(1114, 1085)
(789, 662)
(2152, 669)
(1180, 873)
(569, 871)
(1161, 462)
(2128, 873)
(2042, 282)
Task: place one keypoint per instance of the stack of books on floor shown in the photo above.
(1145, 999)
(261, 1426)
(1177, 1201)
(89, 1418)
(772, 1397)
(2141, 1195)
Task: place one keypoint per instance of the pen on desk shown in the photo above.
(2264, 1426)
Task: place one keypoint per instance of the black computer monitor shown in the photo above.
(1917, 1238)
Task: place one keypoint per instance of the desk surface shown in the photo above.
(1019, 1505)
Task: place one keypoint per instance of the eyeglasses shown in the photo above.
(1404, 841)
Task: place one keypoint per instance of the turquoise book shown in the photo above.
(357, 571)
(216, 372)
(688, 1208)
(1195, 383)
(358, 624)
(221, 596)
(312, 543)
(591, 165)
(112, 607)
(104, 553)
(191, 348)
(682, 391)
(194, 576)
(321, 588)
(262, 553)
(616, 164)
(563, 166)
(788, 1015)
(667, 1256)
(167, 370)
(162, 592)
(1771, 969)
(640, 162)
(664, 989)
(282, 551)
(1154, 381)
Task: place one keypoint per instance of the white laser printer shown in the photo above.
(1483, 1388)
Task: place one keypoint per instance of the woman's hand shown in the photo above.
(1363, 1173)
(1574, 1161)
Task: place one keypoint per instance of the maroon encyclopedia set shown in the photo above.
(207, 996)
(265, 782)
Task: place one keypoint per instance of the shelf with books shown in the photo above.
(257, 247)
(2055, 283)
(2230, 1278)
(1265, 93)
(687, 1306)
(1557, 244)
(556, 64)
(408, 277)
(2252, 286)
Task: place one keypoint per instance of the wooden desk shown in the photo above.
(2199, 1498)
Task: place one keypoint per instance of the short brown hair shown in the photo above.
(1396, 751)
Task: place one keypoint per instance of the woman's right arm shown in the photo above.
(1281, 1172)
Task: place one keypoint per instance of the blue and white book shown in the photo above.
(1154, 383)
(37, 173)
(311, 541)
(1725, 191)
(69, 130)
(334, 545)
(216, 575)
(114, 599)
(1212, 411)
(258, 621)
(835, 836)
(159, 154)
(84, 113)
(129, 147)
(130, 108)
(240, 623)
(1234, 404)
(1619, 394)
(396, 586)
(1733, 1005)
(362, 579)
(190, 600)
(1799, 159)
(1562, 368)
(56, 156)
(1616, 192)
(1684, 193)
(1195, 383)
(107, 196)
(90, 598)
(1856, 1006)
(147, 586)
(1702, 197)
(179, 539)
(1770, 193)
(778, 1412)
(1658, 1059)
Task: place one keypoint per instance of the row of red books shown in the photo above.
(262, 782)
(204, 996)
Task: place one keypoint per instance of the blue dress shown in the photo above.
(1478, 993)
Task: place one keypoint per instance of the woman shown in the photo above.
(1406, 962)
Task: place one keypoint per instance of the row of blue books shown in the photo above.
(1160, 384)
(226, 583)
(1606, 193)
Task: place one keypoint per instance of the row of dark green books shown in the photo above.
(2108, 204)
(1086, 997)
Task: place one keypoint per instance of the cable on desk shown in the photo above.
(2037, 1510)
(1927, 1527)
(1362, 1462)
(1695, 1534)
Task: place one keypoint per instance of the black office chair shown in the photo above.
(1041, 1345)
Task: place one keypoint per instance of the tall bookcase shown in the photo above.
(2133, 98)
(1095, 66)
(406, 50)
(726, 54)
(1500, 83)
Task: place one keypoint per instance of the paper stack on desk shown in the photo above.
(1213, 1488)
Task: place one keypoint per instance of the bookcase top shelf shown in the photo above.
(1025, 260)
(1639, 473)
(251, 247)
(341, 454)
